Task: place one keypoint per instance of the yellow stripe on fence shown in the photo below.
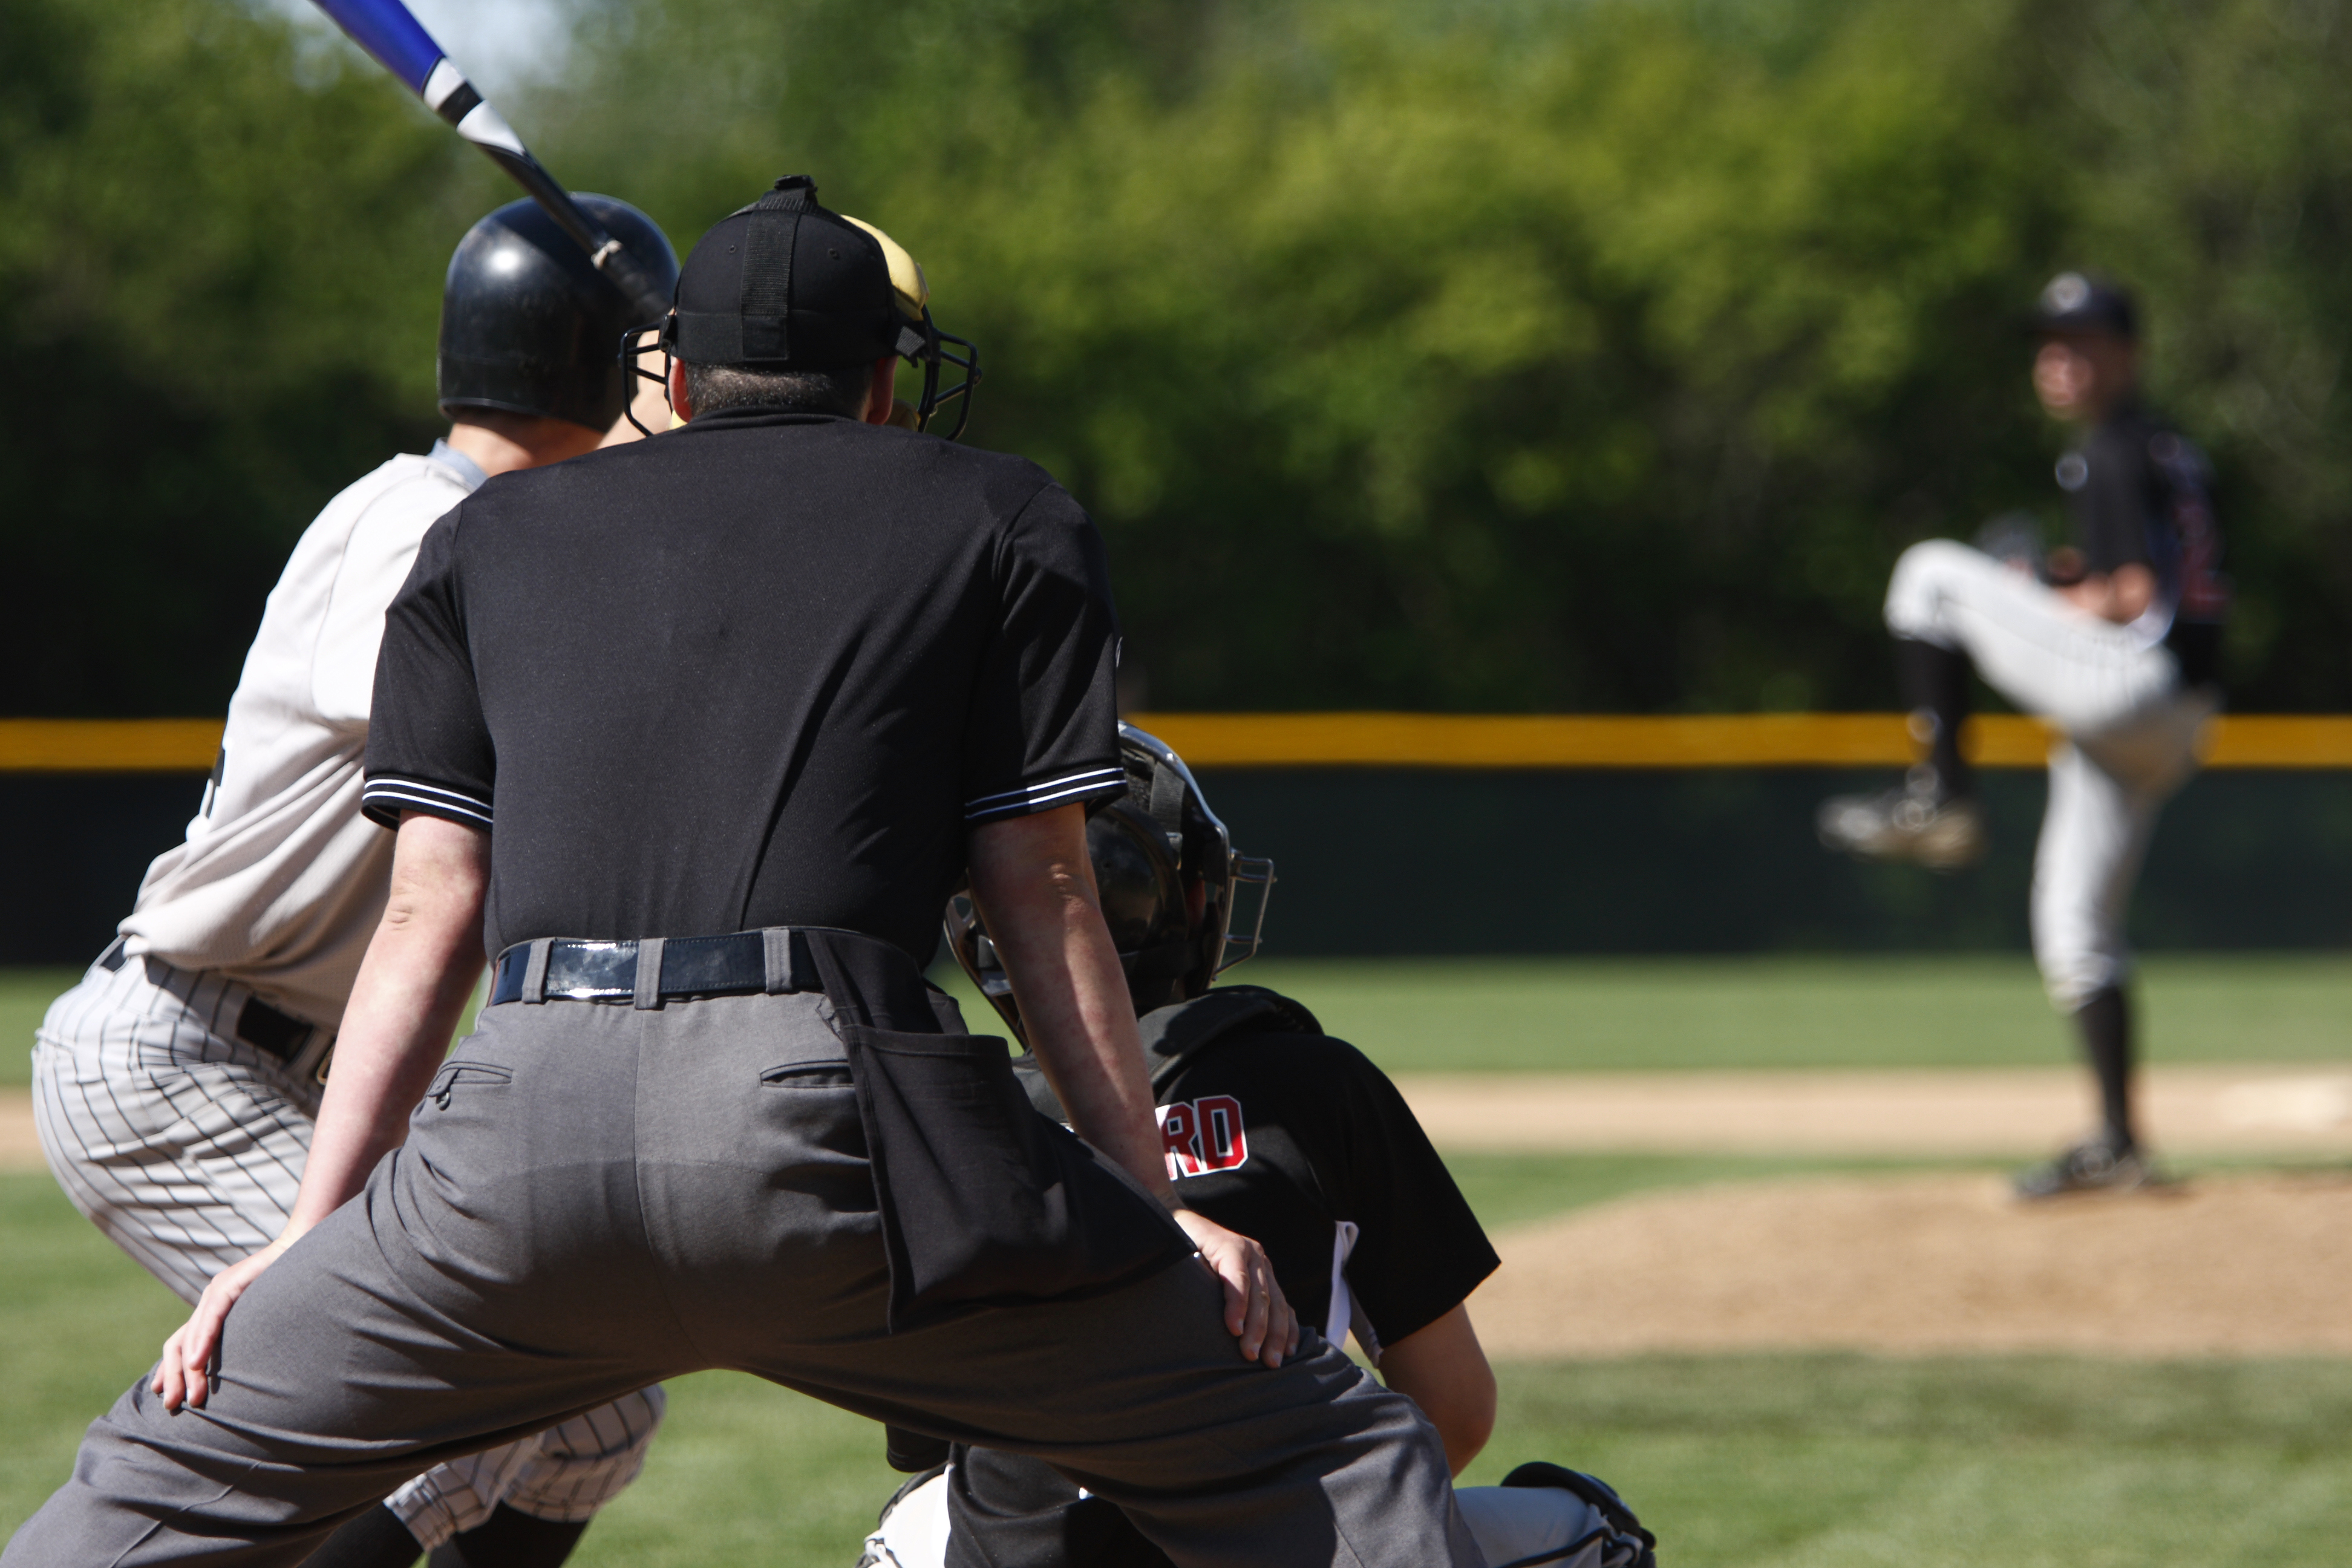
(108, 745)
(1698, 741)
(1388, 740)
(2279, 741)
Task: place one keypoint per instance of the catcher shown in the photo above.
(1275, 1130)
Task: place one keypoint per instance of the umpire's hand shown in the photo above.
(412, 988)
(1255, 1310)
(184, 1374)
(1035, 886)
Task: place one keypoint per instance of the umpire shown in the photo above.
(698, 734)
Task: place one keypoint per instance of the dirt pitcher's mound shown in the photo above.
(2195, 1108)
(2259, 1265)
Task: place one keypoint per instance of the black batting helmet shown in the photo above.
(530, 326)
(1170, 886)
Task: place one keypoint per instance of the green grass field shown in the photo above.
(1752, 1461)
(1737, 1461)
(1645, 1014)
(1658, 1014)
(1743, 1461)
(24, 995)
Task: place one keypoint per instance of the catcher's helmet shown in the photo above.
(530, 326)
(1169, 882)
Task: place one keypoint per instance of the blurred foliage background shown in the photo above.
(1483, 355)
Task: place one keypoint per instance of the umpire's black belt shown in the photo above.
(656, 969)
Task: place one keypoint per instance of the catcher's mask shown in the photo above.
(1171, 887)
(787, 284)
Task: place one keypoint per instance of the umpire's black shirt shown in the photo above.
(765, 669)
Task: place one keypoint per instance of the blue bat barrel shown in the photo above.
(385, 30)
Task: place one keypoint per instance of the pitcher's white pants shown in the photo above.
(184, 1145)
(2127, 741)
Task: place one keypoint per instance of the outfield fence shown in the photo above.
(1416, 833)
(1396, 739)
(1684, 741)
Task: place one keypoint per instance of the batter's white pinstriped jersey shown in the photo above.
(180, 1139)
(280, 882)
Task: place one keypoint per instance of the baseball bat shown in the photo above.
(387, 30)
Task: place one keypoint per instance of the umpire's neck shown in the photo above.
(500, 443)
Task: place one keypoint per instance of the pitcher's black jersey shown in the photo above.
(2142, 494)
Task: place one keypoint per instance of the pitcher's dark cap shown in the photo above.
(2080, 302)
(785, 284)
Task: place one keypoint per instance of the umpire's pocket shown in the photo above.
(462, 1078)
(982, 1200)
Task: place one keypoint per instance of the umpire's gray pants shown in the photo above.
(592, 1198)
(2129, 741)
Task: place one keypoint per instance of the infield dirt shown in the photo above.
(2225, 1265)
(1901, 1112)
(2252, 1264)
(2235, 1265)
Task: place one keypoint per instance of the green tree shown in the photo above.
(1497, 355)
(1559, 357)
(221, 254)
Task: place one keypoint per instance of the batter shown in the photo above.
(177, 1086)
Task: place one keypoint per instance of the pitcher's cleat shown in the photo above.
(2095, 1166)
(1907, 823)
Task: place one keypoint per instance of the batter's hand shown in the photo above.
(1256, 1312)
(185, 1375)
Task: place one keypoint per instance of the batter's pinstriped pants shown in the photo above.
(184, 1145)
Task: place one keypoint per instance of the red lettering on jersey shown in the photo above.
(1223, 1144)
(1179, 1137)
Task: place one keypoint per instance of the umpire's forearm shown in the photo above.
(1035, 890)
(420, 967)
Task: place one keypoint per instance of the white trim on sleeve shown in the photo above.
(1049, 792)
(389, 792)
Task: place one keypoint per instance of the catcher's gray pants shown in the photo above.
(594, 1197)
(185, 1146)
(1511, 1524)
(2129, 741)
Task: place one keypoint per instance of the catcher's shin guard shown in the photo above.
(1603, 1533)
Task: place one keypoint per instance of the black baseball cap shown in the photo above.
(2083, 302)
(785, 284)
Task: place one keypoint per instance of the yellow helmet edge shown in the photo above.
(906, 273)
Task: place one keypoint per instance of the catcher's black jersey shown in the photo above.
(1277, 1131)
